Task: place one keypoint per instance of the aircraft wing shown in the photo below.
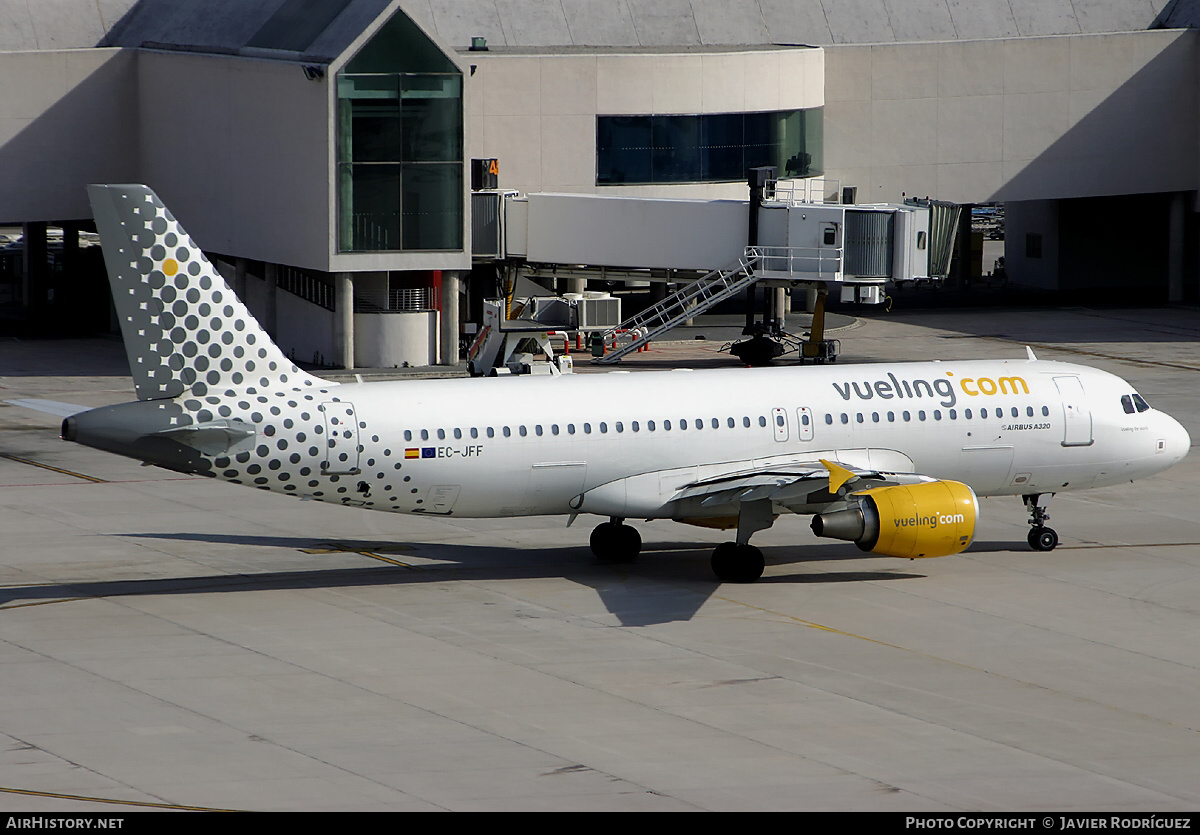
(803, 484)
(50, 407)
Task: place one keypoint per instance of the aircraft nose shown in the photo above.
(1177, 439)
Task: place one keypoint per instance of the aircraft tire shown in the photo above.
(1043, 539)
(614, 542)
(733, 563)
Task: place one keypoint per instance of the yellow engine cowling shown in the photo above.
(932, 519)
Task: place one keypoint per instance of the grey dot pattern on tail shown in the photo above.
(184, 327)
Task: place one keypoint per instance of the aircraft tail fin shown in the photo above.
(184, 328)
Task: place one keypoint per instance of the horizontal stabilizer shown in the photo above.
(50, 407)
(214, 437)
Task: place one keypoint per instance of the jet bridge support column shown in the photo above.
(448, 325)
(343, 328)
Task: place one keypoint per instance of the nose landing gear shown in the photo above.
(1041, 538)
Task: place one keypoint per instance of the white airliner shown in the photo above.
(889, 456)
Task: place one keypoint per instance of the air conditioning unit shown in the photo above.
(599, 312)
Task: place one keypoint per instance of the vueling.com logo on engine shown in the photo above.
(893, 388)
(930, 521)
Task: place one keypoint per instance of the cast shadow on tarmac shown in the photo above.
(633, 593)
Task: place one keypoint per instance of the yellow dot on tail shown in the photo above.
(170, 267)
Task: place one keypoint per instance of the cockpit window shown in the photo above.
(1127, 404)
(1141, 404)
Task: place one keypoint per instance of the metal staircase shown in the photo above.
(691, 300)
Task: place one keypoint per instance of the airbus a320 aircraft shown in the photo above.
(889, 456)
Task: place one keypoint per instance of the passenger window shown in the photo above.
(700, 423)
(634, 426)
(666, 426)
(491, 433)
(746, 422)
(571, 428)
(522, 430)
(1045, 411)
(828, 419)
(537, 430)
(907, 416)
(731, 423)
(937, 414)
(508, 432)
(683, 424)
(967, 414)
(458, 434)
(762, 421)
(716, 424)
(845, 418)
(779, 420)
(891, 417)
(953, 415)
(474, 432)
(1028, 411)
(858, 417)
(441, 434)
(1015, 413)
(875, 417)
(408, 434)
(921, 415)
(424, 434)
(650, 425)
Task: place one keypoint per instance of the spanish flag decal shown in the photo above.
(412, 453)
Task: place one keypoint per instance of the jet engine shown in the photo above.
(932, 519)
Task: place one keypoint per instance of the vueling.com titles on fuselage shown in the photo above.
(896, 389)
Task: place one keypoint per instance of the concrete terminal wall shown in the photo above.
(1014, 119)
(536, 113)
(67, 118)
(240, 150)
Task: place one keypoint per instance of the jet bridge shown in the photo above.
(806, 236)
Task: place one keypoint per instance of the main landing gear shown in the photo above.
(614, 541)
(734, 562)
(1040, 537)
(741, 562)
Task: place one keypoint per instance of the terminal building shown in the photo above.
(320, 150)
